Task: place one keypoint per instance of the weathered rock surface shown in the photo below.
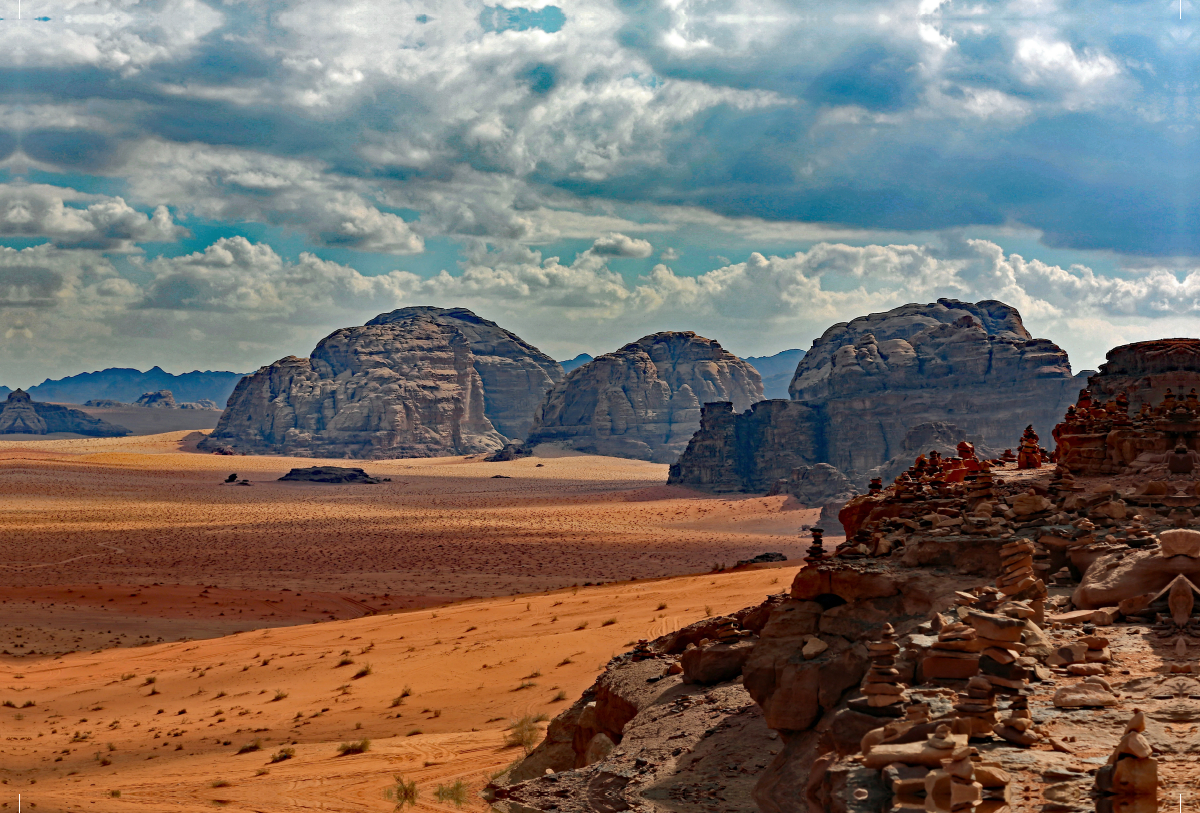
(816, 486)
(1147, 370)
(163, 399)
(21, 415)
(516, 375)
(328, 474)
(407, 388)
(643, 401)
(865, 384)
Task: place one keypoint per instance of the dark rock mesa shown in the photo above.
(336, 475)
(21, 415)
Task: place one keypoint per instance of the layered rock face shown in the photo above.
(866, 383)
(406, 388)
(163, 399)
(516, 375)
(644, 400)
(1146, 370)
(21, 415)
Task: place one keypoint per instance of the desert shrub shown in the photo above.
(282, 754)
(455, 792)
(402, 793)
(358, 747)
(524, 733)
(280, 694)
(250, 746)
(363, 672)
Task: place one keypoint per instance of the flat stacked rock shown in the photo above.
(1131, 770)
(817, 549)
(953, 656)
(882, 685)
(1000, 637)
(953, 788)
(1018, 727)
(976, 708)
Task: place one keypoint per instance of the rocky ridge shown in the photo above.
(21, 415)
(643, 401)
(867, 383)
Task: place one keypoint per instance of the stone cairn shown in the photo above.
(882, 685)
(976, 708)
(817, 549)
(953, 655)
(1018, 728)
(952, 787)
(1131, 770)
(726, 633)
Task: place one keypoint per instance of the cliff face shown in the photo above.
(516, 375)
(1147, 370)
(643, 401)
(866, 383)
(407, 388)
(21, 415)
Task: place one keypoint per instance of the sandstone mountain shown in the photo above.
(162, 399)
(866, 383)
(124, 385)
(643, 401)
(776, 371)
(21, 415)
(516, 375)
(408, 384)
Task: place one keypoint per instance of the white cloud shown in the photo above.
(615, 244)
(95, 221)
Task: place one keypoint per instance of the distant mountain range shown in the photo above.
(127, 385)
(777, 371)
(578, 361)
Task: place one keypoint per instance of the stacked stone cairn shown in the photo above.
(952, 788)
(976, 709)
(726, 633)
(817, 549)
(882, 685)
(953, 656)
(1018, 727)
(642, 651)
(1001, 639)
(1131, 770)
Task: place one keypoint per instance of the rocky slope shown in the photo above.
(776, 371)
(516, 375)
(866, 383)
(406, 388)
(21, 415)
(1147, 370)
(643, 401)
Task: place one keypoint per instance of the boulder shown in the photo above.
(865, 384)
(715, 663)
(643, 401)
(21, 415)
(1084, 695)
(404, 387)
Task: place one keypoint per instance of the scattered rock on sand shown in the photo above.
(328, 474)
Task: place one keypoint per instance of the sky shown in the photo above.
(216, 185)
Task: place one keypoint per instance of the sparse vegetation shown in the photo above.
(357, 747)
(406, 692)
(609, 622)
(362, 672)
(250, 746)
(661, 606)
(402, 793)
(280, 694)
(220, 783)
(708, 610)
(558, 698)
(582, 626)
(455, 792)
(524, 733)
(343, 662)
(397, 700)
(116, 794)
(282, 754)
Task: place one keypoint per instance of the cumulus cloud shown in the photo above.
(615, 244)
(93, 221)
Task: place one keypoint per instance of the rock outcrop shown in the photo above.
(643, 401)
(335, 475)
(1146, 370)
(866, 383)
(163, 399)
(516, 375)
(21, 415)
(405, 388)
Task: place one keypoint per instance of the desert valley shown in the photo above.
(654, 590)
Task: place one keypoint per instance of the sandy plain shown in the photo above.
(128, 559)
(76, 728)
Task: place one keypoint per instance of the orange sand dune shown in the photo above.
(149, 516)
(161, 725)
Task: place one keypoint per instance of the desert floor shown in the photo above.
(433, 690)
(123, 541)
